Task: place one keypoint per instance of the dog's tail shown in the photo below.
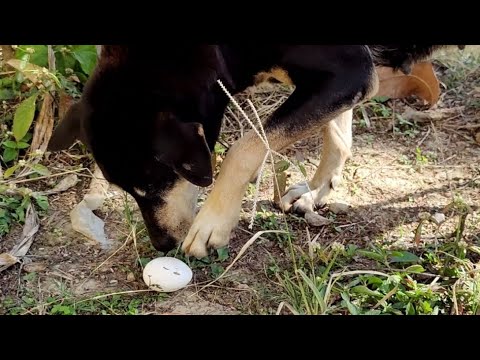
(402, 57)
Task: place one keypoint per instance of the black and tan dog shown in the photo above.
(152, 122)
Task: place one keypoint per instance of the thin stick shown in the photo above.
(42, 177)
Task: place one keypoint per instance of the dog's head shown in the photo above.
(158, 154)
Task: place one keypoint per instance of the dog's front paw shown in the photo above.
(209, 230)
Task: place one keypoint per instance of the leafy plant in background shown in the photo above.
(36, 81)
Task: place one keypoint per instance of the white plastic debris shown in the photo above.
(82, 217)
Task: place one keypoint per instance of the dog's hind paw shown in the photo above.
(299, 199)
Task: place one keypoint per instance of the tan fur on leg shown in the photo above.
(219, 215)
(337, 143)
(178, 211)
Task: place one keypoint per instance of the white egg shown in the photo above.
(167, 274)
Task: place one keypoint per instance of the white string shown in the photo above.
(270, 152)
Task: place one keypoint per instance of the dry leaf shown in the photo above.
(43, 125)
(7, 52)
(477, 137)
(30, 71)
(21, 248)
(64, 104)
(422, 82)
(65, 184)
(281, 181)
(34, 267)
(7, 260)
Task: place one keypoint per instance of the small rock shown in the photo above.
(424, 215)
(130, 277)
(91, 285)
(314, 219)
(113, 282)
(243, 287)
(361, 173)
(438, 218)
(339, 207)
(94, 201)
(34, 267)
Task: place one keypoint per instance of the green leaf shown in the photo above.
(427, 308)
(10, 144)
(417, 269)
(410, 309)
(86, 55)
(23, 117)
(22, 145)
(217, 270)
(64, 60)
(42, 201)
(81, 76)
(9, 154)
(361, 289)
(28, 136)
(219, 149)
(39, 57)
(222, 254)
(373, 312)
(9, 172)
(6, 82)
(316, 292)
(380, 99)
(302, 169)
(6, 94)
(371, 255)
(62, 309)
(374, 280)
(144, 261)
(403, 257)
(351, 307)
(281, 166)
(39, 168)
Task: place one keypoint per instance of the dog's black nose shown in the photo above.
(163, 242)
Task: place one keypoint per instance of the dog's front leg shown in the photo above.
(323, 92)
(220, 213)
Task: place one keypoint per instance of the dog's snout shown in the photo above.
(162, 241)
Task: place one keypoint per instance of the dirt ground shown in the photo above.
(388, 183)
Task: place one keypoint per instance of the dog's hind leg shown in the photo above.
(336, 150)
(329, 81)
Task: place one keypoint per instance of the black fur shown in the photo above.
(401, 57)
(141, 112)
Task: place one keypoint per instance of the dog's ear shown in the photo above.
(183, 147)
(68, 130)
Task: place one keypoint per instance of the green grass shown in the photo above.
(429, 281)
(61, 301)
